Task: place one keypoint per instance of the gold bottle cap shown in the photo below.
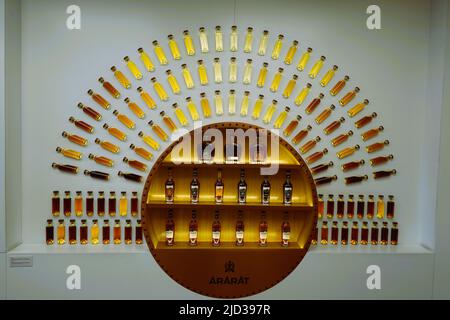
(261, 96)
(323, 58)
(87, 172)
(200, 62)
(381, 197)
(140, 89)
(346, 78)
(126, 59)
(56, 193)
(55, 165)
(332, 107)
(391, 157)
(127, 100)
(309, 50)
(335, 67)
(168, 72)
(113, 69)
(150, 123)
(101, 193)
(274, 102)
(280, 70)
(321, 96)
(357, 147)
(357, 89)
(101, 80)
(115, 112)
(366, 101)
(78, 193)
(155, 42)
(162, 113)
(153, 79)
(218, 28)
(184, 66)
(232, 91)
(202, 95)
(65, 134)
(234, 28)
(124, 193)
(83, 221)
(125, 160)
(216, 59)
(249, 61)
(265, 32)
(299, 117)
(309, 128)
(350, 133)
(380, 128)
(247, 93)
(371, 196)
(106, 221)
(250, 29)
(141, 134)
(91, 156)
(309, 85)
(295, 43)
(325, 151)
(95, 221)
(50, 221)
(366, 177)
(201, 29)
(105, 126)
(112, 193)
(318, 139)
(386, 142)
(90, 193)
(132, 146)
(287, 109)
(362, 162)
(140, 50)
(280, 37)
(59, 150)
(72, 119)
(128, 221)
(170, 36)
(233, 59)
(175, 105)
(134, 193)
(374, 223)
(61, 221)
(186, 32)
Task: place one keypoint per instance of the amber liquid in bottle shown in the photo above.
(72, 232)
(325, 180)
(78, 204)
(49, 233)
(332, 127)
(384, 234)
(102, 102)
(110, 88)
(350, 207)
(334, 233)
(61, 232)
(341, 138)
(138, 238)
(84, 233)
(384, 174)
(292, 126)
(123, 205)
(365, 120)
(106, 232)
(360, 207)
(374, 233)
(301, 135)
(134, 205)
(117, 232)
(56, 204)
(377, 161)
(320, 206)
(321, 168)
(314, 104)
(128, 239)
(130, 176)
(170, 230)
(394, 234)
(325, 114)
(355, 234)
(90, 204)
(340, 207)
(324, 233)
(101, 204)
(314, 235)
(370, 207)
(75, 139)
(135, 164)
(97, 175)
(316, 156)
(390, 208)
(339, 86)
(95, 232)
(344, 233)
(347, 152)
(330, 207)
(352, 165)
(82, 125)
(364, 234)
(90, 112)
(355, 179)
(67, 204)
(380, 207)
(348, 97)
(112, 204)
(372, 133)
(309, 145)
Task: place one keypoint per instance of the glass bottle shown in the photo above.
(281, 118)
(334, 233)
(262, 75)
(364, 233)
(90, 204)
(354, 234)
(232, 102)
(116, 133)
(204, 46)
(217, 67)
(372, 133)
(263, 43)
(70, 153)
(145, 58)
(112, 204)
(245, 103)
(97, 175)
(301, 135)
(65, 168)
(127, 122)
(149, 141)
(314, 104)
(339, 86)
(248, 70)
(353, 165)
(173, 82)
(321, 167)
(380, 160)
(78, 204)
(324, 233)
(82, 125)
(263, 230)
(134, 204)
(374, 231)
(158, 131)
(287, 189)
(135, 164)
(130, 176)
(285, 231)
(218, 35)
(330, 206)
(265, 191)
(216, 230)
(309, 145)
(350, 207)
(109, 88)
(168, 122)
(138, 239)
(390, 208)
(133, 68)
(365, 120)
(329, 76)
(90, 112)
(159, 89)
(384, 234)
(67, 204)
(344, 233)
(106, 232)
(320, 206)
(317, 67)
(384, 174)
(358, 108)
(270, 112)
(61, 232)
(242, 188)
(123, 204)
(304, 59)
(347, 152)
(292, 126)
(218, 103)
(187, 76)
(377, 146)
(173, 46)
(56, 204)
(370, 207)
(202, 73)
(169, 187)
(193, 229)
(277, 47)
(360, 207)
(180, 115)
(49, 233)
(276, 80)
(349, 97)
(394, 234)
(248, 40)
(148, 100)
(291, 53)
(117, 232)
(99, 99)
(290, 86)
(123, 80)
(147, 155)
(325, 180)
(84, 240)
(233, 69)
(340, 207)
(128, 233)
(341, 138)
(240, 229)
(380, 207)
(195, 187)
(355, 179)
(159, 52)
(72, 232)
(219, 188)
(75, 139)
(103, 161)
(259, 103)
(333, 126)
(303, 94)
(234, 39)
(206, 107)
(325, 114)
(316, 156)
(188, 43)
(108, 146)
(101, 204)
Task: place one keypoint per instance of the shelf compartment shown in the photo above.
(296, 207)
(226, 246)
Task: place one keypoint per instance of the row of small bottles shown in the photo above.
(80, 206)
(99, 175)
(241, 189)
(361, 208)
(73, 234)
(217, 229)
(357, 235)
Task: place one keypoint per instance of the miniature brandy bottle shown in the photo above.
(75, 139)
(353, 165)
(330, 206)
(355, 179)
(370, 207)
(127, 122)
(354, 234)
(138, 233)
(56, 204)
(364, 233)
(321, 167)
(349, 97)
(320, 206)
(180, 115)
(390, 208)
(384, 174)
(133, 68)
(110, 88)
(248, 40)
(134, 204)
(159, 89)
(248, 71)
(290, 87)
(263, 230)
(84, 233)
(384, 234)
(217, 68)
(195, 187)
(344, 233)
(262, 75)
(116, 133)
(347, 152)
(232, 102)
(329, 76)
(61, 232)
(138, 112)
(204, 46)
(240, 228)
(173, 46)
(285, 231)
(147, 155)
(123, 204)
(287, 189)
(169, 188)
(202, 73)
(245, 103)
(340, 206)
(276, 80)
(270, 112)
(72, 232)
(360, 207)
(99, 99)
(106, 232)
(216, 228)
(67, 204)
(372, 133)
(108, 146)
(291, 53)
(90, 204)
(341, 139)
(234, 39)
(332, 127)
(339, 86)
(281, 118)
(219, 188)
(314, 104)
(394, 234)
(218, 35)
(232, 76)
(49, 233)
(136, 164)
(173, 82)
(257, 109)
(304, 59)
(309, 145)
(325, 114)
(101, 204)
(70, 153)
(303, 94)
(121, 78)
(262, 48)
(334, 233)
(82, 125)
(301, 135)
(374, 231)
(149, 141)
(377, 146)
(350, 207)
(117, 232)
(292, 126)
(316, 156)
(158, 131)
(187, 77)
(380, 207)
(148, 100)
(358, 108)
(277, 47)
(325, 180)
(205, 105)
(78, 204)
(265, 191)
(97, 175)
(159, 52)
(218, 102)
(95, 232)
(145, 58)
(188, 43)
(193, 229)
(112, 203)
(130, 176)
(317, 67)
(168, 122)
(65, 168)
(90, 112)
(128, 233)
(380, 160)
(365, 120)
(324, 233)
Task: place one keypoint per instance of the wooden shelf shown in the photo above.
(227, 245)
(302, 207)
(285, 166)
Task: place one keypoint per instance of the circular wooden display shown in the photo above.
(228, 271)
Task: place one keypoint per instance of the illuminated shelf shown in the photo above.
(298, 207)
(227, 245)
(228, 165)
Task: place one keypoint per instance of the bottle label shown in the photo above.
(194, 193)
(219, 193)
(193, 236)
(216, 235)
(169, 234)
(288, 194)
(265, 194)
(169, 193)
(263, 235)
(242, 194)
(286, 236)
(240, 235)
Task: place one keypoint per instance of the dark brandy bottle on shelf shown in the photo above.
(354, 234)
(355, 179)
(384, 234)
(320, 206)
(112, 204)
(314, 104)
(301, 135)
(360, 207)
(364, 233)
(394, 234)
(72, 232)
(117, 232)
(325, 180)
(56, 204)
(330, 206)
(65, 168)
(332, 127)
(78, 204)
(61, 232)
(340, 139)
(374, 233)
(353, 165)
(50, 233)
(169, 189)
(170, 229)
(321, 167)
(195, 187)
(106, 232)
(219, 187)
(90, 112)
(193, 229)
(97, 175)
(128, 239)
(82, 125)
(324, 233)
(287, 189)
(344, 233)
(340, 207)
(370, 207)
(365, 120)
(265, 191)
(263, 230)
(350, 207)
(390, 208)
(84, 233)
(285, 231)
(240, 228)
(138, 239)
(130, 176)
(134, 204)
(90, 204)
(75, 139)
(67, 204)
(101, 204)
(242, 188)
(384, 174)
(334, 233)
(216, 228)
(314, 235)
(377, 161)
